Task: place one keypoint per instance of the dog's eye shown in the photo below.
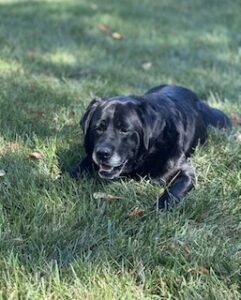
(101, 127)
(123, 130)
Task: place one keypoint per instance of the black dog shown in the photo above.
(149, 135)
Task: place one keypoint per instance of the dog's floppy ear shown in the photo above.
(147, 133)
(146, 138)
(147, 117)
(85, 120)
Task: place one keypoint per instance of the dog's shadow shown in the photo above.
(68, 158)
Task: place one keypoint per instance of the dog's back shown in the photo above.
(184, 96)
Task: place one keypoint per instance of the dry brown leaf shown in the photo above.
(200, 269)
(103, 27)
(35, 155)
(36, 113)
(203, 270)
(104, 196)
(135, 212)
(235, 118)
(147, 65)
(2, 173)
(117, 35)
(183, 246)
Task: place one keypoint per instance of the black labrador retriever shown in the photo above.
(150, 135)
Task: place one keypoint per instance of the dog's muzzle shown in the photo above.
(110, 172)
(110, 164)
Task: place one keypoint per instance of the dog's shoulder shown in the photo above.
(155, 89)
(175, 93)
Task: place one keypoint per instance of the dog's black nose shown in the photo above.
(103, 153)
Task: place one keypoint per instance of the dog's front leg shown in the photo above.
(84, 166)
(181, 184)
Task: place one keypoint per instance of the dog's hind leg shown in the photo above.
(181, 184)
(213, 116)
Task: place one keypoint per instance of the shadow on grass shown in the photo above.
(33, 112)
(170, 40)
(29, 108)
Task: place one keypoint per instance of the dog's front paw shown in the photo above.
(83, 167)
(166, 201)
(74, 173)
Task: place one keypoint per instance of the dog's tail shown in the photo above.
(213, 116)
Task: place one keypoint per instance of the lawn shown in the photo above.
(56, 240)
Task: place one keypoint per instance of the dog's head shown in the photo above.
(116, 130)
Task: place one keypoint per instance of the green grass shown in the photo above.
(56, 240)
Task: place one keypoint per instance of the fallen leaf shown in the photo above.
(200, 269)
(35, 155)
(235, 118)
(135, 212)
(104, 196)
(147, 65)
(2, 173)
(103, 27)
(36, 113)
(117, 35)
(183, 246)
(203, 270)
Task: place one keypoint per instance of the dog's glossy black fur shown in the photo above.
(148, 135)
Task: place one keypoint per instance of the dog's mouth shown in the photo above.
(110, 172)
